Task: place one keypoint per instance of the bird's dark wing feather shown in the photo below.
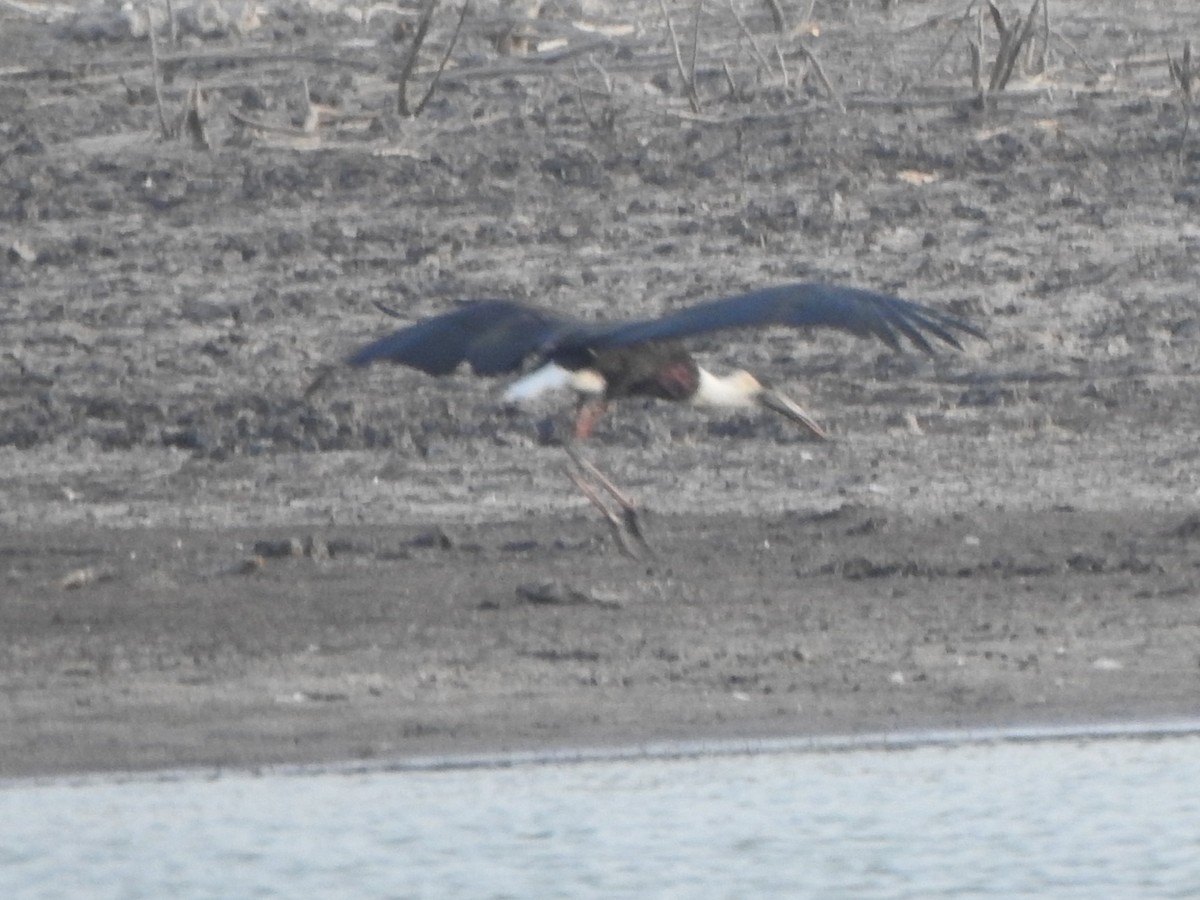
(493, 336)
(864, 313)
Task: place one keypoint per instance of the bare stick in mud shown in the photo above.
(1181, 73)
(777, 17)
(193, 119)
(808, 16)
(729, 79)
(156, 75)
(267, 127)
(1004, 33)
(825, 83)
(1012, 39)
(1093, 70)
(937, 57)
(607, 119)
(1025, 39)
(695, 44)
(746, 33)
(462, 17)
(312, 117)
(410, 61)
(689, 85)
(172, 24)
(1039, 65)
(976, 53)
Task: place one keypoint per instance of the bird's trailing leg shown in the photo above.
(620, 525)
(590, 480)
(625, 525)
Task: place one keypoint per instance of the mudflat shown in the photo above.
(200, 566)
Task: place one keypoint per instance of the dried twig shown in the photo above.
(1182, 74)
(1040, 65)
(695, 44)
(966, 17)
(783, 69)
(156, 73)
(609, 88)
(193, 119)
(608, 118)
(1024, 39)
(462, 16)
(324, 373)
(817, 67)
(690, 85)
(583, 107)
(777, 17)
(1078, 54)
(1181, 71)
(260, 125)
(172, 24)
(410, 61)
(312, 117)
(977, 59)
(976, 53)
(763, 61)
(729, 79)
(1012, 39)
(1005, 35)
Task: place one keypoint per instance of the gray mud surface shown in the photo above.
(200, 567)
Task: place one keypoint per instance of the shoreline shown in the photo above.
(1158, 728)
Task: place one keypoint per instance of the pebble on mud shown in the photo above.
(558, 593)
(84, 577)
(551, 592)
(291, 548)
(316, 548)
(434, 538)
(19, 251)
(248, 566)
(311, 546)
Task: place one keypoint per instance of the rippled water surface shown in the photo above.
(1118, 817)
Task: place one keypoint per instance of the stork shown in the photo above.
(606, 361)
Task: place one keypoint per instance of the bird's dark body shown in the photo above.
(663, 370)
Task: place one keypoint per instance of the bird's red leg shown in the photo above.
(628, 505)
(589, 413)
(614, 521)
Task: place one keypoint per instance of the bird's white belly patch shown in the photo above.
(553, 377)
(550, 377)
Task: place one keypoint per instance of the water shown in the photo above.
(1114, 817)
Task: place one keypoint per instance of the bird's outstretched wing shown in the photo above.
(864, 313)
(494, 336)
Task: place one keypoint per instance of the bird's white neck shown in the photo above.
(737, 389)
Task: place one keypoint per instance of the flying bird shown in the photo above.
(606, 361)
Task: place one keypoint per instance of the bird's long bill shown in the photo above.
(787, 408)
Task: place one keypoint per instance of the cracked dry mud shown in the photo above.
(200, 567)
